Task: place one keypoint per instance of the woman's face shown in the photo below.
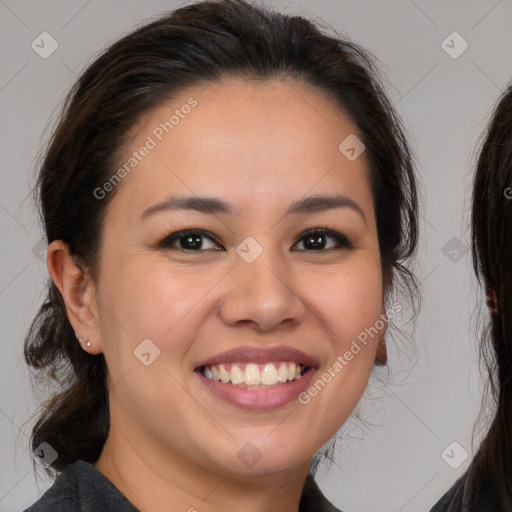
(248, 288)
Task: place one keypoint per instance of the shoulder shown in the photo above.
(452, 500)
(81, 487)
(460, 498)
(313, 500)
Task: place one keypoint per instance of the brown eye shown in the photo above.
(316, 240)
(189, 240)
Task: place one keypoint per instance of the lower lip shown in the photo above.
(259, 399)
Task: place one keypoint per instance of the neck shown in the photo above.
(156, 483)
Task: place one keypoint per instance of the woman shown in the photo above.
(486, 486)
(229, 200)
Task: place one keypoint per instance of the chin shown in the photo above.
(252, 458)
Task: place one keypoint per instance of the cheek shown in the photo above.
(348, 299)
(145, 299)
(148, 302)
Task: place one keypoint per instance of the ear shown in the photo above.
(492, 300)
(381, 356)
(78, 291)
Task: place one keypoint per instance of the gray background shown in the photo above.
(392, 462)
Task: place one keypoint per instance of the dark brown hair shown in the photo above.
(491, 222)
(196, 44)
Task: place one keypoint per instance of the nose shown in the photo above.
(261, 294)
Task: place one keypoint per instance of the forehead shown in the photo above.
(257, 140)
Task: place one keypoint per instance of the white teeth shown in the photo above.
(269, 375)
(282, 373)
(254, 375)
(291, 371)
(237, 375)
(215, 373)
(224, 374)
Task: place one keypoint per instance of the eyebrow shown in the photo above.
(212, 205)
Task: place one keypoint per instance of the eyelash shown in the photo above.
(341, 240)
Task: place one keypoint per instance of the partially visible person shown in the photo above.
(487, 484)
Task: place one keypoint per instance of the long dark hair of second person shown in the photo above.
(491, 222)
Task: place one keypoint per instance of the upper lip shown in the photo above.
(259, 356)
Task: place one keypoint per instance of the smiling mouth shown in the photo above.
(255, 376)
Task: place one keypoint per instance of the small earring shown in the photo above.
(88, 343)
